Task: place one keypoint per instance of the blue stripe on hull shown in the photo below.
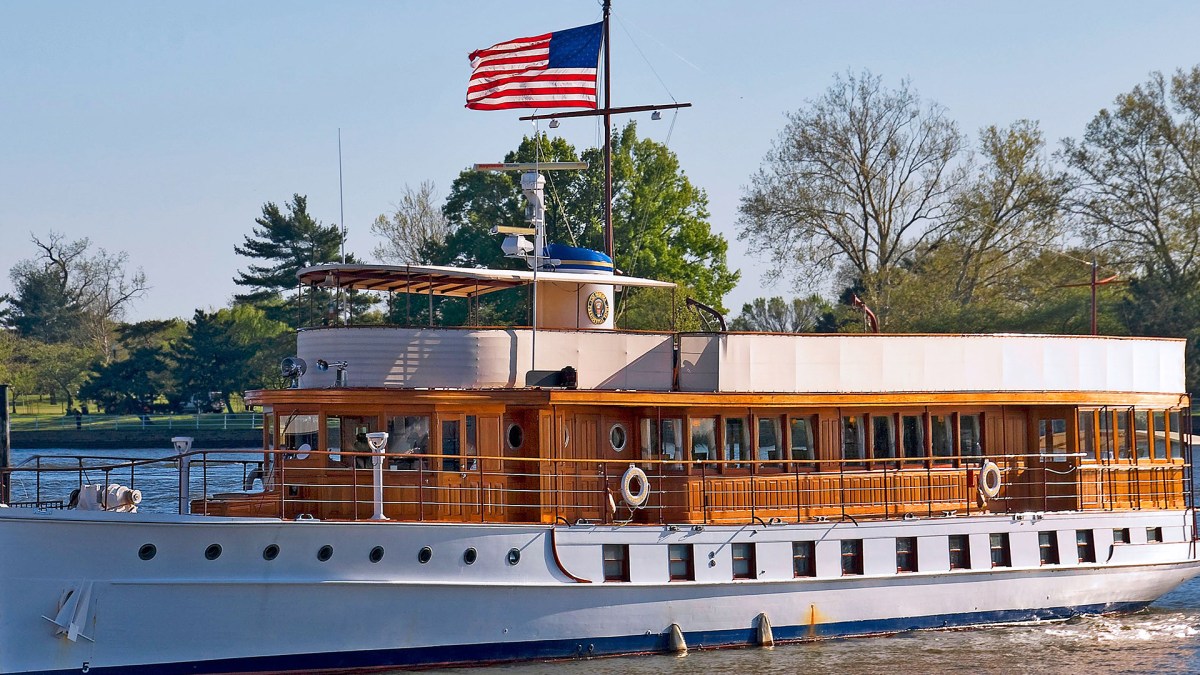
(611, 646)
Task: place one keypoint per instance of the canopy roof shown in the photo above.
(455, 282)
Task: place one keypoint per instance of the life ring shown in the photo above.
(989, 481)
(635, 499)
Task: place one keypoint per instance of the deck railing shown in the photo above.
(416, 487)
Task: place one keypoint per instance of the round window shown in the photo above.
(271, 552)
(516, 436)
(376, 554)
(514, 556)
(325, 553)
(212, 552)
(424, 555)
(147, 551)
(617, 437)
(470, 556)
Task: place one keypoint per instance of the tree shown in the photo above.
(776, 315)
(15, 367)
(60, 368)
(1009, 211)
(1137, 178)
(68, 293)
(659, 217)
(414, 225)
(230, 350)
(286, 242)
(1137, 200)
(864, 175)
(142, 375)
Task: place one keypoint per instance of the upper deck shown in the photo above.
(491, 358)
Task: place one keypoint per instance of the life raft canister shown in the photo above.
(989, 481)
(635, 499)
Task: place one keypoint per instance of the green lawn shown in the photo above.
(51, 422)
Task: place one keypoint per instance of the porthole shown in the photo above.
(325, 553)
(514, 556)
(376, 554)
(271, 552)
(424, 555)
(212, 552)
(515, 436)
(617, 437)
(470, 556)
(147, 551)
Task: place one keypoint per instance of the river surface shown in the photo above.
(1165, 638)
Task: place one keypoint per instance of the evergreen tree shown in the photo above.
(285, 241)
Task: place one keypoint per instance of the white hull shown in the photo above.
(181, 612)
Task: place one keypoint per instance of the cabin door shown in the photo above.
(582, 487)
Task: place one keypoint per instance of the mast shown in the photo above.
(608, 230)
(606, 112)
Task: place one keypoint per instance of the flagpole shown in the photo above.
(608, 228)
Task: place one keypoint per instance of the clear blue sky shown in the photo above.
(161, 128)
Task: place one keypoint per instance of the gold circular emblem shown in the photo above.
(597, 308)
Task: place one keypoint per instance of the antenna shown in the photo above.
(341, 198)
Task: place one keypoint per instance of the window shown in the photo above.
(1001, 556)
(906, 554)
(737, 442)
(1153, 535)
(1123, 441)
(970, 438)
(1160, 435)
(472, 450)
(1141, 433)
(704, 438)
(960, 552)
(407, 436)
(1176, 432)
(297, 431)
(802, 447)
(515, 436)
(1121, 535)
(1085, 545)
(671, 449)
(804, 558)
(883, 436)
(852, 557)
(1052, 436)
(853, 446)
(943, 434)
(744, 566)
(680, 562)
(617, 437)
(1087, 434)
(1107, 443)
(451, 445)
(770, 443)
(616, 562)
(1048, 548)
(912, 429)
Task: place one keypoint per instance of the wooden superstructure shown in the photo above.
(546, 455)
(727, 428)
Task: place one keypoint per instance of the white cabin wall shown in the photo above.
(861, 363)
(485, 358)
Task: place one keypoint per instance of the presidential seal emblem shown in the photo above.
(597, 308)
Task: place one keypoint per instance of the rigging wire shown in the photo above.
(646, 60)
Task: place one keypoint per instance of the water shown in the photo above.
(1165, 638)
(159, 482)
(1162, 639)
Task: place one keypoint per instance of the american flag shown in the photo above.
(555, 70)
